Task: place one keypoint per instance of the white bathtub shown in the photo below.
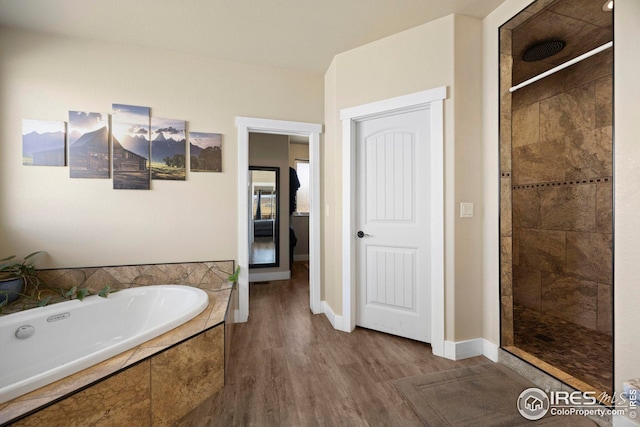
(74, 335)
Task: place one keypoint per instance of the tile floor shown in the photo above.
(584, 353)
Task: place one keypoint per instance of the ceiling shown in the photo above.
(300, 35)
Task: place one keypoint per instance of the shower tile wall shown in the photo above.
(561, 194)
(507, 253)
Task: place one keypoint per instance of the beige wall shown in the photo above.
(82, 222)
(273, 151)
(445, 52)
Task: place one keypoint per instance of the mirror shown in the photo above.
(264, 228)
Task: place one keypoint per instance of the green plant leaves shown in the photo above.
(104, 292)
(234, 276)
(83, 292)
(44, 302)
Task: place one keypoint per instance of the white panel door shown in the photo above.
(393, 224)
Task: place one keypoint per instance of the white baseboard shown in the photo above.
(470, 348)
(490, 350)
(622, 421)
(301, 257)
(335, 320)
(267, 277)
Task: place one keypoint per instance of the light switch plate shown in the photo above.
(466, 210)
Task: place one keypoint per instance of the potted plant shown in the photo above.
(16, 277)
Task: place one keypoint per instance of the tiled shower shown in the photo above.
(556, 225)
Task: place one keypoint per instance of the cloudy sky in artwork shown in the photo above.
(130, 120)
(204, 140)
(81, 122)
(170, 128)
(41, 126)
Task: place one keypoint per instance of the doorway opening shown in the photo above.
(310, 132)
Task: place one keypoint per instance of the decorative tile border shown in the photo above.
(563, 183)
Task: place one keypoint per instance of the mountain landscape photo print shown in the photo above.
(168, 149)
(88, 145)
(130, 136)
(205, 152)
(43, 143)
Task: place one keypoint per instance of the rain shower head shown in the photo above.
(543, 50)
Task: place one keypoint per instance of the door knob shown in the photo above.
(362, 234)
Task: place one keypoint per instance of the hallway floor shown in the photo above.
(291, 368)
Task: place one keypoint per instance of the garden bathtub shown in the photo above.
(42, 345)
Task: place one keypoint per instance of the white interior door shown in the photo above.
(393, 223)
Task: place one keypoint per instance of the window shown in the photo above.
(302, 197)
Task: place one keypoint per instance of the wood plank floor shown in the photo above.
(291, 368)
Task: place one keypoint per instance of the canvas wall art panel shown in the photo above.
(205, 151)
(88, 145)
(130, 137)
(43, 143)
(168, 149)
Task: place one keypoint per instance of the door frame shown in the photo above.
(432, 100)
(246, 125)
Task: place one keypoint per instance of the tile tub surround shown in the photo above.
(209, 276)
(97, 389)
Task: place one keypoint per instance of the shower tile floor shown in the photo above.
(583, 353)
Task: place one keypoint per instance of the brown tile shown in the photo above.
(539, 5)
(505, 74)
(589, 70)
(542, 249)
(100, 279)
(124, 274)
(516, 247)
(527, 289)
(589, 256)
(604, 102)
(526, 125)
(605, 309)
(569, 298)
(582, 354)
(505, 41)
(582, 41)
(505, 207)
(568, 208)
(123, 399)
(517, 20)
(506, 263)
(590, 11)
(186, 375)
(542, 162)
(604, 207)
(506, 307)
(552, 25)
(542, 89)
(590, 154)
(526, 208)
(567, 113)
(505, 142)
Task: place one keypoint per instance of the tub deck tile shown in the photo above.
(211, 316)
